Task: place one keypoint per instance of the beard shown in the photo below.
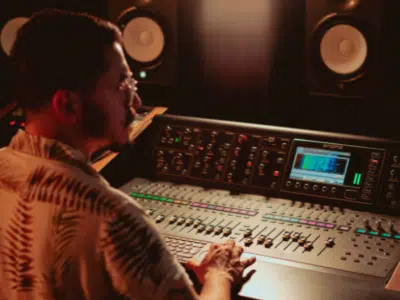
(95, 125)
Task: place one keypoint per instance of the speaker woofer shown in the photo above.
(144, 37)
(341, 48)
(9, 32)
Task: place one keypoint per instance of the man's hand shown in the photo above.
(222, 260)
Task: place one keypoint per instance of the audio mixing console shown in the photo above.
(320, 211)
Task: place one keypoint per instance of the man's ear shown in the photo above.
(67, 106)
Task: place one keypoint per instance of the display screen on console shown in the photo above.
(320, 165)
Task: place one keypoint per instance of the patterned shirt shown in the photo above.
(65, 233)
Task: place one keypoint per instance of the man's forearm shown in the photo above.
(216, 286)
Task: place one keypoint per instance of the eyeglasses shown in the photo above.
(128, 84)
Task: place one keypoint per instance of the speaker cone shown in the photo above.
(343, 49)
(9, 33)
(143, 36)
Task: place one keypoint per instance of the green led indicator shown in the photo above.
(176, 140)
(143, 74)
(357, 179)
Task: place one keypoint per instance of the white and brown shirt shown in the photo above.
(65, 233)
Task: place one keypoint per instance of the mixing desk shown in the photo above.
(320, 211)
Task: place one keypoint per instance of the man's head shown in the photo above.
(72, 73)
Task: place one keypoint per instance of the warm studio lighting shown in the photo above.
(233, 35)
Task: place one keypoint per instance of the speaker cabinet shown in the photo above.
(344, 47)
(149, 29)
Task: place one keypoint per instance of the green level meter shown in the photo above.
(357, 179)
(151, 197)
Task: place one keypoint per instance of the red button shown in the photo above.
(276, 173)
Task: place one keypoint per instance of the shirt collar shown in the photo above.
(51, 149)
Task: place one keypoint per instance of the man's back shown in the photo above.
(65, 234)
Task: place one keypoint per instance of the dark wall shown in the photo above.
(244, 60)
(232, 69)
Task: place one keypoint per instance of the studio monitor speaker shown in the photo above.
(149, 29)
(344, 47)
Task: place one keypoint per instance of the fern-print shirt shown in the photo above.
(65, 233)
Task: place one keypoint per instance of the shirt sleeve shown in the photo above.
(135, 256)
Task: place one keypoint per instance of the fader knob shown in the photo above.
(173, 219)
(181, 220)
(302, 241)
(366, 224)
(218, 229)
(150, 212)
(261, 239)
(227, 231)
(268, 242)
(209, 228)
(247, 232)
(295, 236)
(248, 241)
(160, 218)
(392, 228)
(330, 242)
(197, 222)
(286, 236)
(189, 221)
(201, 227)
(379, 226)
(308, 246)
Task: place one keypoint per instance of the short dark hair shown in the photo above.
(57, 50)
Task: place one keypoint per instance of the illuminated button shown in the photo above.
(295, 236)
(248, 241)
(209, 228)
(268, 242)
(360, 230)
(330, 242)
(247, 232)
(189, 221)
(276, 173)
(173, 219)
(261, 238)
(308, 246)
(227, 231)
(181, 220)
(160, 218)
(302, 240)
(286, 236)
(218, 229)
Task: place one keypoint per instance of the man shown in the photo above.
(64, 232)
